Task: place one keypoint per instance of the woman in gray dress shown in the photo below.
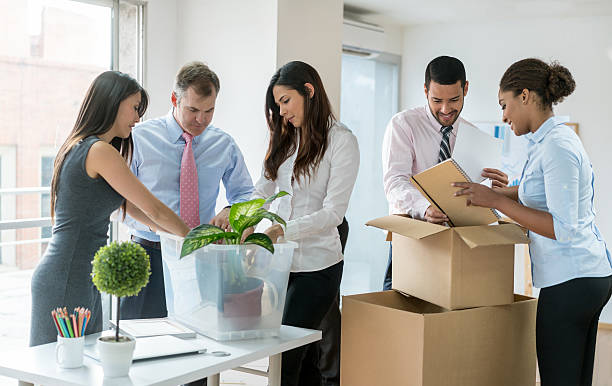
(91, 179)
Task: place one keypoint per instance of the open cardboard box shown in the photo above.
(454, 268)
(389, 339)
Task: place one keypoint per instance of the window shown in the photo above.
(56, 49)
(7, 204)
(46, 172)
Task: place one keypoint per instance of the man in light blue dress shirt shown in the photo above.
(158, 149)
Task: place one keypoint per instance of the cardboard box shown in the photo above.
(389, 339)
(454, 268)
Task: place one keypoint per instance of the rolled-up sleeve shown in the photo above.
(561, 169)
(236, 179)
(343, 173)
(397, 158)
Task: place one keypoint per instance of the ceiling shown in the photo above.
(414, 12)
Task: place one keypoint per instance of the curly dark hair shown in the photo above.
(551, 82)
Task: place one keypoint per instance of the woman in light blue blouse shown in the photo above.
(554, 201)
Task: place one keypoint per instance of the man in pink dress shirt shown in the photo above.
(413, 141)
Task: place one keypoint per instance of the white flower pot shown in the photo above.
(116, 357)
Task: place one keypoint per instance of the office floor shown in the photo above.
(240, 378)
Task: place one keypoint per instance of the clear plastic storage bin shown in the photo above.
(227, 292)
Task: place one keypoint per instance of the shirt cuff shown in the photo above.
(291, 230)
(419, 210)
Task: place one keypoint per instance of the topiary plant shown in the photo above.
(120, 269)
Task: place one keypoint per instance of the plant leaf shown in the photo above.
(245, 222)
(277, 195)
(272, 217)
(260, 239)
(203, 235)
(243, 209)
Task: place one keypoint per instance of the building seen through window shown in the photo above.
(55, 50)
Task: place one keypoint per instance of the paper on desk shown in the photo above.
(152, 327)
(475, 150)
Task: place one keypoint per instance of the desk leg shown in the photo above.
(213, 380)
(274, 371)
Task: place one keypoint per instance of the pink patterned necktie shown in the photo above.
(190, 203)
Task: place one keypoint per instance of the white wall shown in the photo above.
(584, 45)
(311, 31)
(391, 41)
(238, 41)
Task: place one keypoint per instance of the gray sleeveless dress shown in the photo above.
(62, 278)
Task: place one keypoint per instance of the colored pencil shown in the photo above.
(74, 326)
(87, 321)
(59, 332)
(64, 329)
(84, 323)
(67, 320)
(71, 325)
(80, 311)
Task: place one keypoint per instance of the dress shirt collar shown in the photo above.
(175, 132)
(544, 129)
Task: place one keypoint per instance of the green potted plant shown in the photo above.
(239, 295)
(119, 269)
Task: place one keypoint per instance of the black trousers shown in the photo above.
(151, 300)
(309, 298)
(387, 281)
(566, 330)
(321, 365)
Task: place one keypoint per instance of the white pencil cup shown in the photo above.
(69, 352)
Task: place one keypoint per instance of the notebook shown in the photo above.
(435, 184)
(157, 346)
(475, 150)
(139, 328)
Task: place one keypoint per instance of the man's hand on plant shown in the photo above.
(433, 215)
(247, 232)
(222, 220)
(498, 178)
(275, 232)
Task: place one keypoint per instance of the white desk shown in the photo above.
(37, 364)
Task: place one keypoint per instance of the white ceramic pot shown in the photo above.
(116, 357)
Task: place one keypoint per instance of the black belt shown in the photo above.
(146, 243)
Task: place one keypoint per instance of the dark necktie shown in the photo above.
(445, 143)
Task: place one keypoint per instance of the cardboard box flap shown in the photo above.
(406, 226)
(483, 236)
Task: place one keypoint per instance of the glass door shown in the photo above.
(369, 98)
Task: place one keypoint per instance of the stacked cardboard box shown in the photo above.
(452, 318)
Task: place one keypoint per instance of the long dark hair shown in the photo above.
(96, 117)
(318, 119)
(551, 82)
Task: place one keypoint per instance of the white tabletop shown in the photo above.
(37, 364)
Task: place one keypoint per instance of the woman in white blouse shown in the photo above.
(314, 158)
